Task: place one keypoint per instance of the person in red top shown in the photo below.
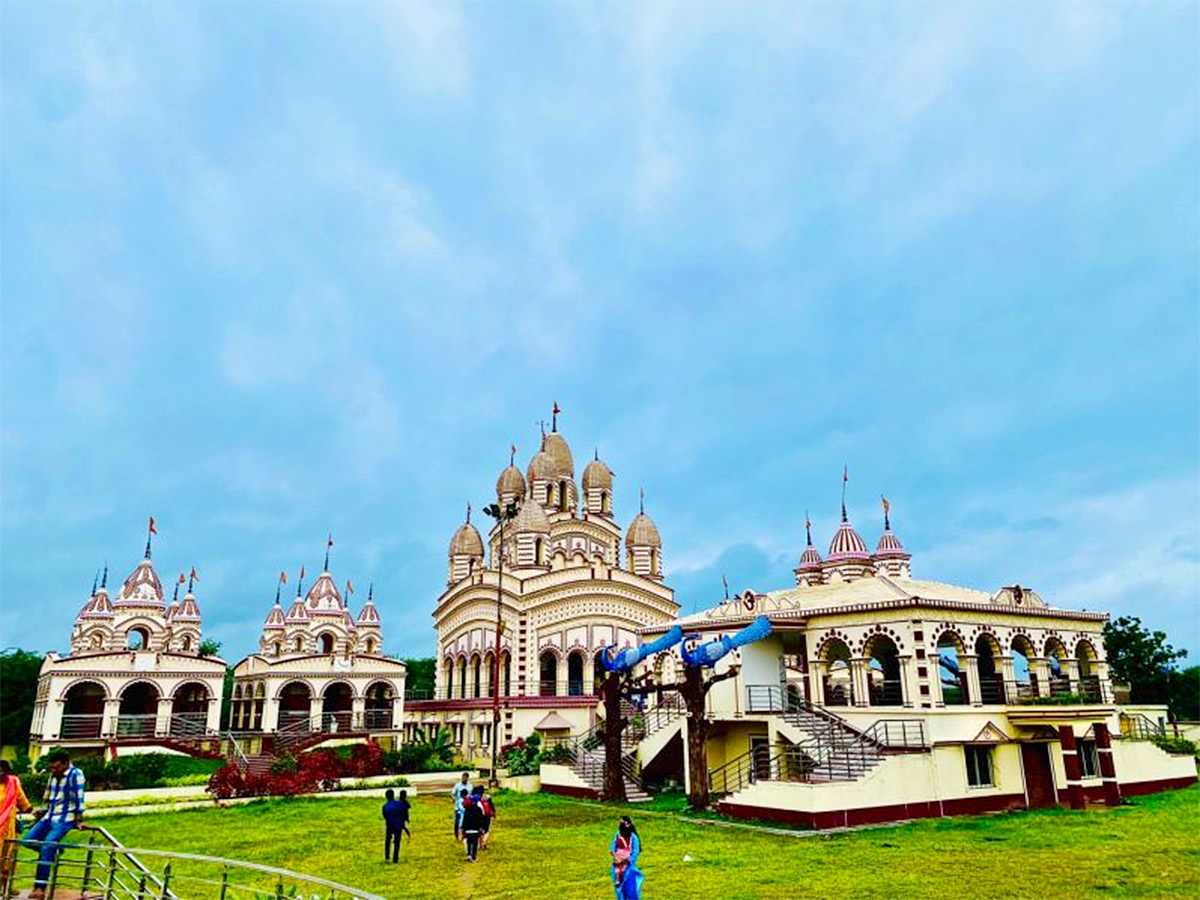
(489, 813)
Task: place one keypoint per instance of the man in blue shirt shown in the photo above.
(460, 792)
(395, 817)
(62, 812)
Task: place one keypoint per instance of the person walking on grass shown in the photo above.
(12, 801)
(460, 792)
(62, 812)
(625, 848)
(395, 819)
(472, 823)
(489, 813)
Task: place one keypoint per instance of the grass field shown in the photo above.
(551, 847)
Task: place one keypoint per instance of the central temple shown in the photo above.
(565, 590)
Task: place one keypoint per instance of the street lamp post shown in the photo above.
(501, 515)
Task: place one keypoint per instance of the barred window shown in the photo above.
(979, 766)
(1088, 763)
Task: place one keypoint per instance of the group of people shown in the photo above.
(473, 814)
(62, 811)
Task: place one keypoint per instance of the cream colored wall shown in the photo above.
(1137, 761)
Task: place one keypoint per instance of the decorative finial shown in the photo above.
(512, 454)
(554, 417)
(808, 528)
(104, 577)
(887, 507)
(725, 581)
(151, 530)
(542, 425)
(278, 588)
(468, 513)
(371, 592)
(300, 581)
(95, 581)
(328, 544)
(845, 478)
(642, 500)
(178, 582)
(596, 455)
(192, 577)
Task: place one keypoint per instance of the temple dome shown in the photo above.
(142, 587)
(324, 593)
(596, 475)
(298, 613)
(556, 447)
(274, 617)
(466, 541)
(188, 611)
(531, 518)
(810, 558)
(511, 482)
(642, 532)
(542, 467)
(889, 545)
(846, 544)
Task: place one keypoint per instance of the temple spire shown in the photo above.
(149, 531)
(328, 544)
(887, 508)
(808, 528)
(845, 478)
(104, 577)
(642, 500)
(554, 417)
(468, 513)
(95, 581)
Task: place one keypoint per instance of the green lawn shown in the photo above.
(545, 846)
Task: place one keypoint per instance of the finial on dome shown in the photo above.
(887, 507)
(191, 578)
(468, 513)
(371, 592)
(808, 528)
(300, 581)
(104, 577)
(845, 478)
(512, 454)
(596, 454)
(328, 544)
(95, 581)
(554, 417)
(149, 531)
(641, 500)
(178, 582)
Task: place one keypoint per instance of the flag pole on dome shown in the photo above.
(104, 577)
(328, 544)
(468, 513)
(725, 582)
(887, 508)
(641, 500)
(175, 597)
(192, 577)
(151, 530)
(300, 581)
(845, 478)
(95, 581)
(371, 592)
(808, 527)
(512, 454)
(554, 417)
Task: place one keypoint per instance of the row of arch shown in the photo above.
(84, 705)
(885, 683)
(326, 642)
(138, 638)
(471, 677)
(296, 706)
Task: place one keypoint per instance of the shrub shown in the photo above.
(1180, 746)
(522, 756)
(317, 770)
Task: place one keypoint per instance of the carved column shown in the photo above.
(970, 665)
(1070, 751)
(1108, 769)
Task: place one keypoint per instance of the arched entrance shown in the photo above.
(1056, 658)
(83, 711)
(337, 707)
(575, 674)
(139, 710)
(991, 678)
(950, 671)
(883, 672)
(189, 710)
(379, 706)
(1089, 677)
(548, 674)
(837, 683)
(295, 707)
(1025, 684)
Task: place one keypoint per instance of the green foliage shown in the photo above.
(209, 647)
(435, 754)
(1142, 658)
(143, 770)
(1185, 694)
(227, 697)
(522, 756)
(419, 680)
(18, 689)
(1171, 744)
(557, 753)
(1056, 700)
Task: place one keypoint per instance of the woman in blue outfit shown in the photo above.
(625, 848)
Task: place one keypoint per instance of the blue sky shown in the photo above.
(276, 270)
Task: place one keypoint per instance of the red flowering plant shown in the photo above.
(317, 770)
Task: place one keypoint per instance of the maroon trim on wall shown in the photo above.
(1153, 787)
(569, 791)
(843, 818)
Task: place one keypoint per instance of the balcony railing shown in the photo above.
(80, 726)
(1059, 691)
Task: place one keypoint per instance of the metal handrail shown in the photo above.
(125, 877)
(1139, 727)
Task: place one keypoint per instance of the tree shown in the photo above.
(209, 647)
(1142, 658)
(1185, 695)
(419, 680)
(19, 671)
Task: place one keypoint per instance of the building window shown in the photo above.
(1088, 764)
(979, 766)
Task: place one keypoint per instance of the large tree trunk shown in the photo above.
(614, 724)
(693, 691)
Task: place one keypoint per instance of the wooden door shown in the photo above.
(1039, 776)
